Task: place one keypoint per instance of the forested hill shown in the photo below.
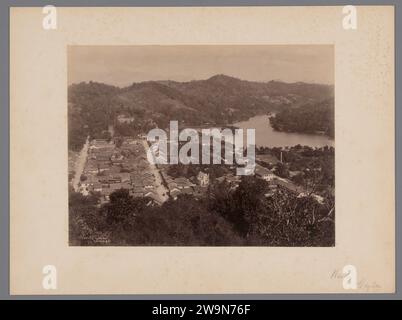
(218, 100)
(309, 118)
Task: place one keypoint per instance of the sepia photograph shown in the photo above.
(201, 145)
(202, 150)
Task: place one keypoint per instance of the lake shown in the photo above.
(266, 136)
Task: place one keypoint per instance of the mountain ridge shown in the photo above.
(218, 100)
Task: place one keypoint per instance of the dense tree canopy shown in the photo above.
(240, 216)
(309, 118)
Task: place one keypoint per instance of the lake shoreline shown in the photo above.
(267, 136)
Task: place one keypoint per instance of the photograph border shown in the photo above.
(5, 150)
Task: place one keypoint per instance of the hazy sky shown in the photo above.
(123, 65)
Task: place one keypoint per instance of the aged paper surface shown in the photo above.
(364, 135)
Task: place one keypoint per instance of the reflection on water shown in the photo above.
(266, 136)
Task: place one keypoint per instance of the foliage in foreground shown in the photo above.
(227, 217)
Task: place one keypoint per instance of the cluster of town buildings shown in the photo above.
(181, 185)
(111, 166)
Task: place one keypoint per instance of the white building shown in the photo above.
(264, 173)
(203, 179)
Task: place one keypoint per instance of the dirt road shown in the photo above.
(80, 164)
(160, 189)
